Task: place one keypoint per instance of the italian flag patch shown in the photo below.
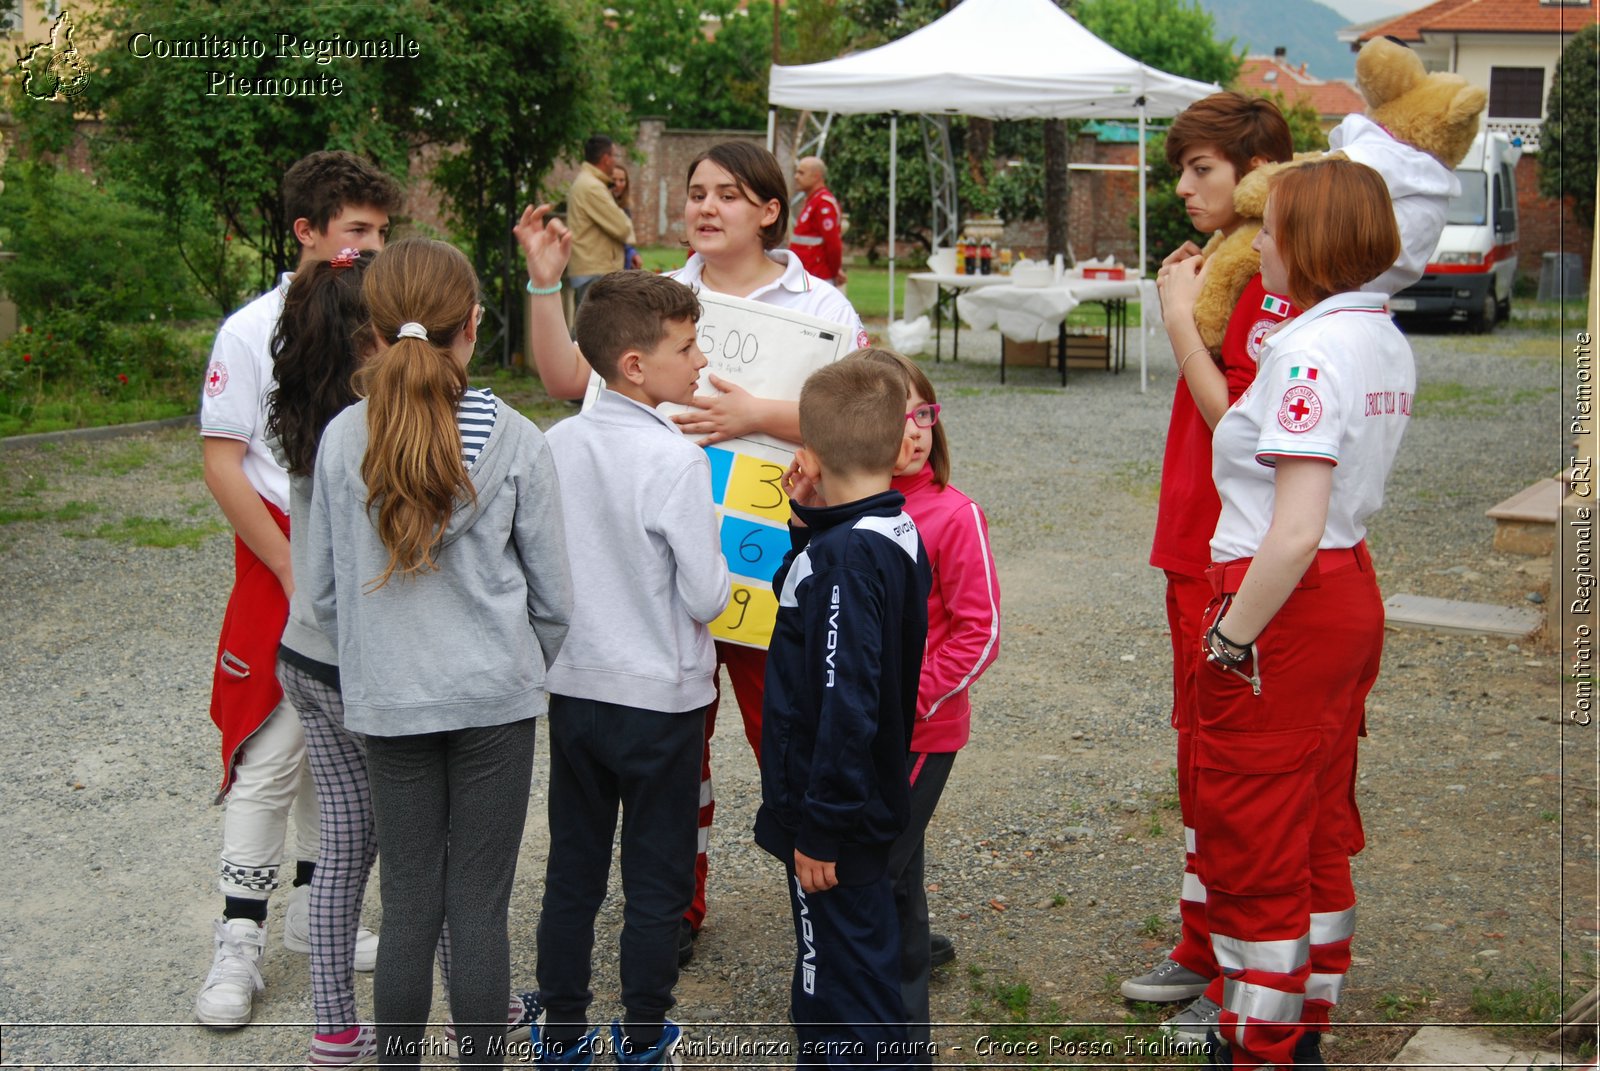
(1302, 372)
(1275, 305)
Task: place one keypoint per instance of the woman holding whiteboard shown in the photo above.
(735, 216)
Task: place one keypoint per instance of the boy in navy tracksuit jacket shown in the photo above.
(841, 696)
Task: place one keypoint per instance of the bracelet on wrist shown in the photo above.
(1191, 353)
(543, 291)
(1225, 650)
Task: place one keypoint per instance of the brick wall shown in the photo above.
(1100, 206)
(658, 163)
(1546, 225)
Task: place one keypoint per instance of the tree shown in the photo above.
(222, 130)
(821, 30)
(858, 173)
(489, 94)
(526, 92)
(1568, 143)
(1175, 36)
(662, 62)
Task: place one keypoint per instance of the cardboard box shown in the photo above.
(1083, 351)
(1028, 354)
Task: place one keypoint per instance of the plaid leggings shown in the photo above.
(338, 761)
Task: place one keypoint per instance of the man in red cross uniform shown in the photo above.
(817, 242)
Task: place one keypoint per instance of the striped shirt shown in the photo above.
(475, 419)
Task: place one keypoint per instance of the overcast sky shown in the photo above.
(1366, 10)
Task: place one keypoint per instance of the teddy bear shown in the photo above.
(1409, 112)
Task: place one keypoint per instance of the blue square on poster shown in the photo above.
(753, 550)
(721, 465)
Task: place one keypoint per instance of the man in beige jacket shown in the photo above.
(599, 226)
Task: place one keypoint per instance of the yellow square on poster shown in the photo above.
(755, 487)
(769, 352)
(751, 614)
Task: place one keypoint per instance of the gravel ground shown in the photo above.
(1054, 858)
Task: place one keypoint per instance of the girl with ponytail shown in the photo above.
(439, 565)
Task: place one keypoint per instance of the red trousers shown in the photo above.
(1187, 599)
(747, 669)
(1275, 813)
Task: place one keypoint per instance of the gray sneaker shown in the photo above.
(1196, 1020)
(1168, 981)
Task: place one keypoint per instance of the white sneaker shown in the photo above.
(297, 931)
(235, 978)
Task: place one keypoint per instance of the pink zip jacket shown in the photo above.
(963, 609)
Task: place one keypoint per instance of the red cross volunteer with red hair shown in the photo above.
(1294, 634)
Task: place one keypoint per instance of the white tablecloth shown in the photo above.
(922, 288)
(1034, 314)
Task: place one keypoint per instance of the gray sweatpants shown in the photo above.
(450, 808)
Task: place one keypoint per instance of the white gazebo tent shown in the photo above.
(998, 59)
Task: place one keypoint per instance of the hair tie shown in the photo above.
(412, 329)
(346, 259)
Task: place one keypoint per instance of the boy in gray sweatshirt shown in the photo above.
(630, 687)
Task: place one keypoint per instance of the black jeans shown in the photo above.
(603, 755)
(450, 808)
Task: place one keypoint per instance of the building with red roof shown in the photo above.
(1331, 99)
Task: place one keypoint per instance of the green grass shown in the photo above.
(1529, 313)
(71, 511)
(124, 459)
(1536, 1002)
(522, 391)
(1401, 1007)
(61, 414)
(868, 288)
(157, 532)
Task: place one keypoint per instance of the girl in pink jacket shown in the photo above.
(963, 640)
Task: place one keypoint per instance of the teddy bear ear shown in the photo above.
(1385, 69)
(1460, 123)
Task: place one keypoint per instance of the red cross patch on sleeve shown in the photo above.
(216, 378)
(1301, 409)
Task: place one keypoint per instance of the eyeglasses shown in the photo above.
(479, 321)
(925, 416)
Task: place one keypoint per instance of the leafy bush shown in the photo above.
(69, 369)
(86, 249)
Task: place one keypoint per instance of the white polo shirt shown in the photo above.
(794, 289)
(1419, 186)
(233, 398)
(1335, 384)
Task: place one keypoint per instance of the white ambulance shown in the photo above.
(1469, 276)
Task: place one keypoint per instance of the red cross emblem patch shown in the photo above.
(1301, 409)
(1258, 337)
(216, 378)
